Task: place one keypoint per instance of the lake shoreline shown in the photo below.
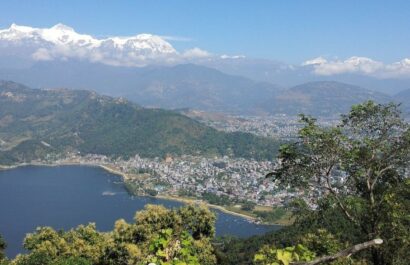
(125, 177)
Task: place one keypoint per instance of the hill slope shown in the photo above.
(193, 86)
(35, 122)
(325, 98)
(404, 98)
(180, 86)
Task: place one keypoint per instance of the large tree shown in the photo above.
(158, 236)
(360, 169)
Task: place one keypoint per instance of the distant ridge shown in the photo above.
(404, 98)
(179, 86)
(322, 98)
(196, 87)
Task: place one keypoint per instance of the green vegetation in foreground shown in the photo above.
(37, 123)
(371, 150)
(2, 248)
(158, 235)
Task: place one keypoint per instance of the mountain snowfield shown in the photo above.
(63, 42)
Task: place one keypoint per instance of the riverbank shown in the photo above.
(125, 177)
(218, 207)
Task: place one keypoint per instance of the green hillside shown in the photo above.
(36, 122)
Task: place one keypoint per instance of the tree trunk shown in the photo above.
(346, 253)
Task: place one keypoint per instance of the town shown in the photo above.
(279, 126)
(218, 180)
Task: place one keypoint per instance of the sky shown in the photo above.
(287, 31)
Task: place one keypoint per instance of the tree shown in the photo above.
(52, 246)
(275, 256)
(163, 236)
(248, 206)
(357, 167)
(2, 248)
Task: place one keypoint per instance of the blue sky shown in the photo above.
(289, 31)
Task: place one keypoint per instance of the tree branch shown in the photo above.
(344, 253)
(379, 174)
(339, 202)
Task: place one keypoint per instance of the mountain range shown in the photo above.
(35, 123)
(149, 71)
(62, 42)
(198, 87)
(24, 47)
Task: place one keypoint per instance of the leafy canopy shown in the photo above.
(158, 235)
(358, 171)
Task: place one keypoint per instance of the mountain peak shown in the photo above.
(63, 42)
(15, 27)
(144, 36)
(62, 27)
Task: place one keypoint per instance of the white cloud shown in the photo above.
(196, 53)
(316, 61)
(401, 68)
(225, 56)
(42, 55)
(359, 65)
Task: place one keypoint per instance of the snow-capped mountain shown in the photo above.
(63, 42)
(24, 47)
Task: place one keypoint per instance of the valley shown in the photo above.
(204, 132)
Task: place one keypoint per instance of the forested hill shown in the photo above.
(36, 122)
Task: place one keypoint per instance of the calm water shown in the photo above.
(64, 197)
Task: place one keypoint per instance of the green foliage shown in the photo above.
(271, 216)
(72, 261)
(306, 248)
(151, 192)
(356, 174)
(198, 220)
(396, 224)
(321, 242)
(212, 198)
(159, 235)
(372, 143)
(167, 250)
(42, 258)
(276, 256)
(84, 241)
(2, 248)
(248, 206)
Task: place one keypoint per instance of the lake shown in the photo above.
(66, 196)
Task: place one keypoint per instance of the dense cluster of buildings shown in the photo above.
(279, 126)
(235, 179)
